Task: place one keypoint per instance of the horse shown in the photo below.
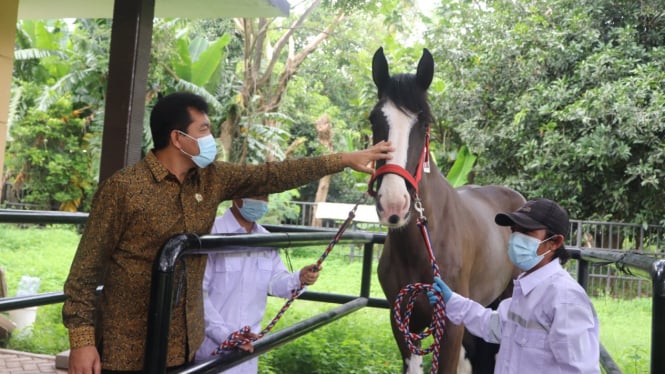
(470, 249)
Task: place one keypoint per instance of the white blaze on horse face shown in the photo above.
(414, 364)
(394, 198)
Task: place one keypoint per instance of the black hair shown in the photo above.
(171, 112)
(561, 253)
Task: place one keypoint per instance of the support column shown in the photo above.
(8, 19)
(131, 39)
(658, 317)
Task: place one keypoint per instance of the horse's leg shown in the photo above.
(464, 365)
(411, 363)
(480, 353)
(449, 355)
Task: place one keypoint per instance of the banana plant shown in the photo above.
(458, 175)
(198, 67)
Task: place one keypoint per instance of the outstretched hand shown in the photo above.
(359, 160)
(440, 286)
(309, 274)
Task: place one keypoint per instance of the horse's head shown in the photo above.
(401, 116)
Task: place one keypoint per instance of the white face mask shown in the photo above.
(207, 150)
(252, 210)
(522, 250)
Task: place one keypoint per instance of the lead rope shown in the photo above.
(438, 324)
(238, 338)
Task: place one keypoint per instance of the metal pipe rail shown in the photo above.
(18, 302)
(161, 291)
(41, 216)
(274, 340)
(646, 266)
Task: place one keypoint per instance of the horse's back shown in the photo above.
(499, 199)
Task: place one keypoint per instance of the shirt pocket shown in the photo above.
(531, 338)
(263, 274)
(534, 349)
(228, 265)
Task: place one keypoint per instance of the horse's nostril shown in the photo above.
(393, 219)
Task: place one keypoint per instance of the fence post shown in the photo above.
(582, 265)
(658, 317)
(366, 278)
(583, 274)
(161, 302)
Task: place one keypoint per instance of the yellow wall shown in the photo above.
(8, 18)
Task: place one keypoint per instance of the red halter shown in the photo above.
(413, 181)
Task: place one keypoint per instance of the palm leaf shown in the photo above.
(209, 59)
(201, 91)
(13, 109)
(36, 54)
(458, 174)
(62, 87)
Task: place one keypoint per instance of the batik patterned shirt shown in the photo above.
(134, 212)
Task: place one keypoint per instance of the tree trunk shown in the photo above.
(268, 68)
(324, 131)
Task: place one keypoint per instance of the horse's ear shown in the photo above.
(425, 71)
(380, 72)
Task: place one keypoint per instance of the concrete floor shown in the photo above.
(14, 362)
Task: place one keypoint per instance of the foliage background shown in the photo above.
(559, 98)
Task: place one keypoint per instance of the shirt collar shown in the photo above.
(158, 170)
(530, 281)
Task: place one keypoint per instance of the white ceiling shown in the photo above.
(55, 9)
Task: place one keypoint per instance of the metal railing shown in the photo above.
(623, 238)
(645, 265)
(161, 298)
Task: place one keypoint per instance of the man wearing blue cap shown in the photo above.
(549, 324)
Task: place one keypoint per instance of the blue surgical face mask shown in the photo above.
(522, 250)
(252, 210)
(207, 150)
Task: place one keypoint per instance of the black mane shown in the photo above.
(404, 92)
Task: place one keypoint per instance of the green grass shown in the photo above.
(342, 346)
(359, 343)
(625, 331)
(39, 252)
(45, 253)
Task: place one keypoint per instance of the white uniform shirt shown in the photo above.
(235, 290)
(548, 326)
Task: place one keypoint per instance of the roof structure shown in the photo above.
(50, 9)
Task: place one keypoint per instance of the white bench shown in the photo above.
(339, 212)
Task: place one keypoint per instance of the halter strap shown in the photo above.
(391, 169)
(423, 164)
